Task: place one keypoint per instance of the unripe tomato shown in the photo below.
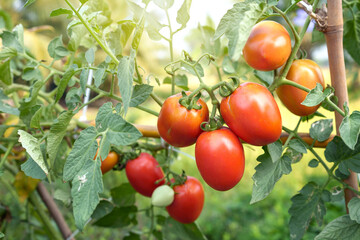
(162, 196)
(143, 172)
(306, 73)
(109, 162)
(178, 126)
(220, 158)
(268, 46)
(188, 202)
(252, 113)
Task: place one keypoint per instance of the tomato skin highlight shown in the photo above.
(306, 73)
(220, 158)
(178, 126)
(109, 162)
(252, 113)
(268, 46)
(142, 173)
(188, 201)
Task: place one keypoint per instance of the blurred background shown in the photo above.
(226, 215)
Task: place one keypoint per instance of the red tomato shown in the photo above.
(252, 114)
(188, 202)
(220, 158)
(142, 173)
(178, 126)
(306, 73)
(110, 161)
(268, 46)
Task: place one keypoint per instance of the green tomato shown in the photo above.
(162, 196)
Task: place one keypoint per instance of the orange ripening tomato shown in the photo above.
(306, 73)
(268, 46)
(109, 162)
(143, 173)
(188, 201)
(220, 158)
(179, 126)
(252, 113)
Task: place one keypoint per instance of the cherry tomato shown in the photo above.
(268, 46)
(188, 202)
(220, 158)
(143, 172)
(110, 161)
(252, 113)
(178, 126)
(306, 73)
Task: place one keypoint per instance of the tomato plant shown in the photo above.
(144, 174)
(220, 158)
(306, 73)
(268, 46)
(188, 202)
(252, 113)
(179, 126)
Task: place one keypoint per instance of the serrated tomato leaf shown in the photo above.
(341, 228)
(350, 129)
(354, 209)
(321, 130)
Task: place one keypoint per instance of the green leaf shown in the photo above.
(341, 228)
(321, 130)
(124, 195)
(6, 75)
(127, 27)
(164, 4)
(183, 15)
(60, 159)
(60, 11)
(189, 69)
(237, 24)
(313, 163)
(90, 56)
(99, 75)
(32, 169)
(338, 151)
(86, 186)
(177, 231)
(73, 99)
(153, 27)
(56, 48)
(83, 79)
(209, 45)
(137, 36)
(265, 77)
(7, 53)
(140, 94)
(102, 209)
(5, 20)
(35, 120)
(125, 74)
(275, 150)
(28, 113)
(84, 149)
(305, 205)
(32, 146)
(316, 96)
(118, 218)
(57, 133)
(31, 74)
(5, 107)
(181, 81)
(297, 145)
(2, 235)
(352, 37)
(354, 209)
(118, 131)
(64, 82)
(350, 129)
(267, 174)
(29, 2)
(13, 39)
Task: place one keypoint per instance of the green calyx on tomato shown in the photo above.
(220, 158)
(252, 113)
(179, 126)
(190, 102)
(306, 73)
(268, 46)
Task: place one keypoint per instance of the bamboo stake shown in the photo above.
(334, 41)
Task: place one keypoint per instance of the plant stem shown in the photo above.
(289, 22)
(93, 34)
